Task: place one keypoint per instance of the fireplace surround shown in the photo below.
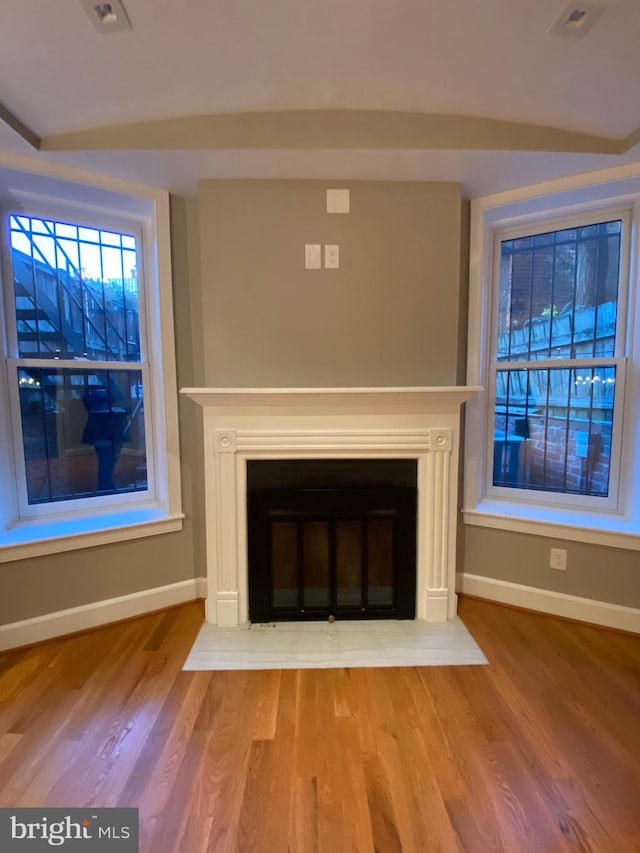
(243, 424)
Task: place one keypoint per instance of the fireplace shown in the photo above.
(331, 538)
(240, 425)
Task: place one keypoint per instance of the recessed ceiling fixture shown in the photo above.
(107, 17)
(576, 19)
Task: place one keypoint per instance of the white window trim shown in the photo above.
(606, 190)
(61, 189)
(589, 503)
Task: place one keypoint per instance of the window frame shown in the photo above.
(618, 360)
(70, 195)
(14, 362)
(577, 199)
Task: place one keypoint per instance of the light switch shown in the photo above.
(331, 257)
(312, 256)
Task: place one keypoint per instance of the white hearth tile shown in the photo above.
(323, 645)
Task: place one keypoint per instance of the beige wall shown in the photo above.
(388, 316)
(593, 571)
(46, 584)
(187, 312)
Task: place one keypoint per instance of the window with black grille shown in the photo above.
(78, 371)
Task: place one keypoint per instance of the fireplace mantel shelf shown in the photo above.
(434, 395)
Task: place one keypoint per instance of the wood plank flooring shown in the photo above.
(537, 753)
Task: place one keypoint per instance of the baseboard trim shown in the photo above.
(555, 603)
(98, 613)
(201, 587)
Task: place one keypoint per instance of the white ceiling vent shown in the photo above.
(107, 17)
(576, 19)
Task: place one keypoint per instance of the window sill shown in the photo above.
(615, 531)
(36, 539)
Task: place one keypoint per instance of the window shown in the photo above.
(78, 377)
(88, 423)
(556, 361)
(551, 445)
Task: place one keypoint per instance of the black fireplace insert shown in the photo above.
(332, 538)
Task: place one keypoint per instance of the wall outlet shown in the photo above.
(558, 559)
(331, 257)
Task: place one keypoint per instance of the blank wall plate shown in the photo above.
(337, 201)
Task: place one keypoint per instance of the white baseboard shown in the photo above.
(555, 603)
(98, 613)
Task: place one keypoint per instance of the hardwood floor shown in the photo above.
(540, 751)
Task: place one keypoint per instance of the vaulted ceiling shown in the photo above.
(476, 91)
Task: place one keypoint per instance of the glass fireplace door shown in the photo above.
(347, 553)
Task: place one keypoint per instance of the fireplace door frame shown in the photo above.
(331, 506)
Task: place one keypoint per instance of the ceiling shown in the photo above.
(376, 82)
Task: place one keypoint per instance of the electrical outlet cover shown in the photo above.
(332, 257)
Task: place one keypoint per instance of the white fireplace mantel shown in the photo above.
(332, 423)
